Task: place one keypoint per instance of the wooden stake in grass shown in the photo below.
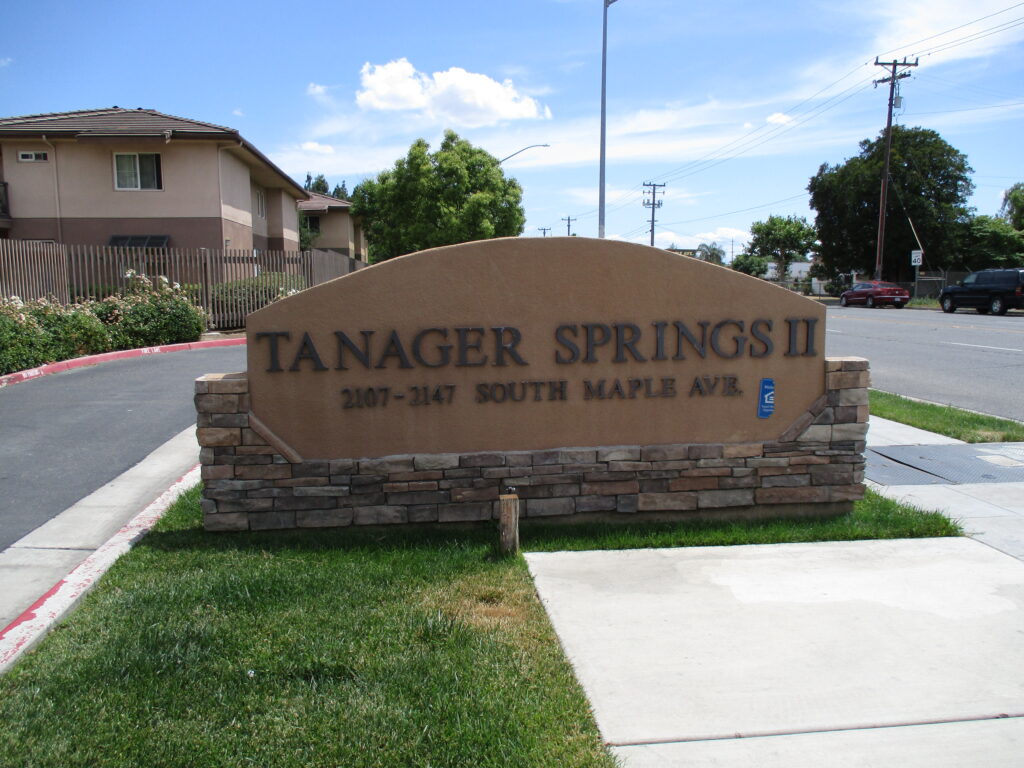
(508, 523)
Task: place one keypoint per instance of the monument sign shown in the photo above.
(516, 347)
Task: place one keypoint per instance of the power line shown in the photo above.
(967, 109)
(952, 29)
(974, 38)
(544, 230)
(750, 140)
(741, 210)
(568, 225)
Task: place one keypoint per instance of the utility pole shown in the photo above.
(891, 80)
(653, 203)
(568, 225)
(544, 230)
(604, 86)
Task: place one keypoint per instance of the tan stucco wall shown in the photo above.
(360, 241)
(86, 181)
(335, 232)
(236, 191)
(539, 288)
(30, 185)
(240, 236)
(259, 223)
(282, 221)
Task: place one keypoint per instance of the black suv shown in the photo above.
(990, 290)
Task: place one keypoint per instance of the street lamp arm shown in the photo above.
(522, 150)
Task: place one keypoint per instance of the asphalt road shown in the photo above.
(964, 359)
(65, 435)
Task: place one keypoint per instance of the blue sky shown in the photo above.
(733, 105)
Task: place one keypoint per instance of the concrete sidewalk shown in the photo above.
(31, 566)
(992, 513)
(863, 653)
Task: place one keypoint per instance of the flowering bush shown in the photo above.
(147, 314)
(150, 314)
(22, 340)
(70, 331)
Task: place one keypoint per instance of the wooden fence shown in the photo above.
(228, 284)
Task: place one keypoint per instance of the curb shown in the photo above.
(32, 625)
(81, 362)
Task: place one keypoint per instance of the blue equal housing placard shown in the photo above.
(766, 400)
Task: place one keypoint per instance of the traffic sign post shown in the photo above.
(916, 259)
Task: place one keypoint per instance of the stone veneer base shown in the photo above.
(815, 468)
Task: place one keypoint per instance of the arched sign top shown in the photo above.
(532, 343)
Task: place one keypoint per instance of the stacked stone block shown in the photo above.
(816, 467)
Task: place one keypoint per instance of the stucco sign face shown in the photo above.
(533, 343)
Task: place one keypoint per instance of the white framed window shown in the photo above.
(261, 204)
(33, 157)
(137, 171)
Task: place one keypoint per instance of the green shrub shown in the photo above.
(70, 331)
(22, 340)
(150, 315)
(255, 292)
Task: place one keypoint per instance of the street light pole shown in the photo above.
(522, 150)
(604, 80)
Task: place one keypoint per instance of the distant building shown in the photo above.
(691, 252)
(799, 271)
(139, 177)
(331, 221)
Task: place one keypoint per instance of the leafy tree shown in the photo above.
(307, 237)
(929, 182)
(749, 264)
(340, 191)
(782, 241)
(1012, 209)
(318, 184)
(711, 252)
(453, 195)
(993, 242)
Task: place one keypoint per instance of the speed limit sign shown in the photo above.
(916, 258)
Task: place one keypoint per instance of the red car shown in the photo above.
(875, 293)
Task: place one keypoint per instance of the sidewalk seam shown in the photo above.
(796, 732)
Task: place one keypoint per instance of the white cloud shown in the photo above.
(6, 61)
(237, 112)
(731, 240)
(348, 160)
(454, 97)
(313, 89)
(317, 149)
(918, 28)
(778, 118)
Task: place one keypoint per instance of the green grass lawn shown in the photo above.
(944, 420)
(344, 647)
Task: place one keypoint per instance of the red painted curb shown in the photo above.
(28, 628)
(81, 362)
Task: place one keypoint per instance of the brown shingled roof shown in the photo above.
(318, 202)
(116, 120)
